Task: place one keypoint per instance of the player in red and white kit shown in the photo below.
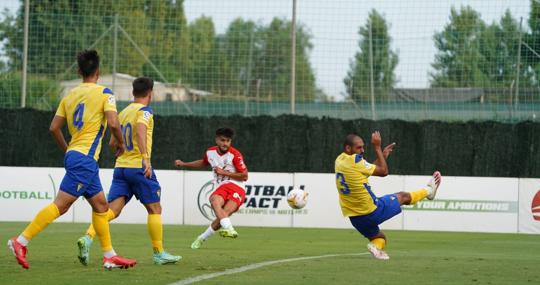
(230, 172)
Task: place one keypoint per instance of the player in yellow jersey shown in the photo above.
(87, 109)
(365, 210)
(133, 173)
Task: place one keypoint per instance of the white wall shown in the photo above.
(476, 204)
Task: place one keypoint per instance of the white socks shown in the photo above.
(22, 240)
(225, 223)
(208, 233)
(109, 254)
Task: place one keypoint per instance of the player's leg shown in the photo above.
(101, 226)
(155, 231)
(210, 231)
(47, 215)
(368, 226)
(217, 201)
(227, 229)
(84, 243)
(411, 198)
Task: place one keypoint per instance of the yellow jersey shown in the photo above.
(132, 115)
(84, 110)
(355, 196)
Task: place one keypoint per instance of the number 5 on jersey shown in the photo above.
(344, 187)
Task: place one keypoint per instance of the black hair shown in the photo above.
(225, 132)
(349, 140)
(142, 85)
(88, 61)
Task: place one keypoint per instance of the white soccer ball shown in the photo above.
(297, 198)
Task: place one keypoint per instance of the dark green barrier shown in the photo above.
(302, 144)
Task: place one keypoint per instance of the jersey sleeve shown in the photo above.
(365, 167)
(61, 111)
(205, 158)
(145, 116)
(109, 102)
(238, 162)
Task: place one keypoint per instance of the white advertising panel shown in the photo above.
(529, 206)
(26, 190)
(265, 204)
(475, 204)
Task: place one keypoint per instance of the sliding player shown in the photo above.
(366, 211)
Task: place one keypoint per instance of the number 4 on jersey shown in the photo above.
(78, 116)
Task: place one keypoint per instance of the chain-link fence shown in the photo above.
(411, 60)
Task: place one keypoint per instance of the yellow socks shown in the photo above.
(100, 222)
(418, 195)
(91, 232)
(46, 216)
(379, 243)
(155, 230)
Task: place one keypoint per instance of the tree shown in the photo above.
(202, 73)
(459, 60)
(358, 79)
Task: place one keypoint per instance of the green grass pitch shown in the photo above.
(416, 257)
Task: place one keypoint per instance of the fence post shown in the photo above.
(25, 54)
(293, 59)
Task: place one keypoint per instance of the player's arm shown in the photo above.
(116, 131)
(381, 168)
(56, 131)
(196, 164)
(141, 142)
(241, 173)
(386, 151)
(240, 176)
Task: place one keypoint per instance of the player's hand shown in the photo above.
(220, 171)
(147, 168)
(120, 149)
(376, 139)
(179, 163)
(388, 149)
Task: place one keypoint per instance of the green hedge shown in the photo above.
(302, 144)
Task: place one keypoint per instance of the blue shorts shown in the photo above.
(131, 181)
(368, 225)
(82, 175)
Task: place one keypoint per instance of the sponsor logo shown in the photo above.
(29, 194)
(260, 199)
(464, 206)
(111, 100)
(203, 200)
(147, 115)
(535, 206)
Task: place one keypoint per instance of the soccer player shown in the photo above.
(133, 173)
(88, 108)
(230, 172)
(366, 211)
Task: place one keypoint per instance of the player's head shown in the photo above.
(353, 144)
(143, 88)
(224, 138)
(88, 62)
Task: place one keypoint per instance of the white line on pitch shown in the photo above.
(255, 266)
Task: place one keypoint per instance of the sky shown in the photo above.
(334, 28)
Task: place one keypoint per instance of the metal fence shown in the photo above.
(410, 60)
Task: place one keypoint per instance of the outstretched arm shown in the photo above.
(197, 164)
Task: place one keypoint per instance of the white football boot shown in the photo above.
(434, 184)
(377, 253)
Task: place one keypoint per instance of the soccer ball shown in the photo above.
(297, 198)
